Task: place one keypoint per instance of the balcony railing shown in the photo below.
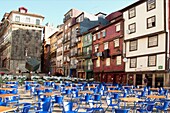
(89, 67)
(72, 54)
(82, 67)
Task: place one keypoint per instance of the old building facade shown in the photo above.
(147, 42)
(21, 37)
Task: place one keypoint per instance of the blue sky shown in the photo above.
(54, 10)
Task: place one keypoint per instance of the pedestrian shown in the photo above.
(146, 80)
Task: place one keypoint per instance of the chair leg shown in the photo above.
(106, 108)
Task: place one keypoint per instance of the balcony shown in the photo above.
(80, 54)
(67, 17)
(88, 67)
(87, 54)
(73, 44)
(66, 39)
(80, 67)
(73, 54)
(106, 53)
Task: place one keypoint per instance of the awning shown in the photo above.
(32, 64)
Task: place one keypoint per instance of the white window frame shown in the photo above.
(98, 35)
(116, 42)
(98, 63)
(117, 27)
(151, 4)
(103, 33)
(151, 60)
(27, 19)
(106, 45)
(133, 62)
(94, 37)
(153, 41)
(96, 47)
(107, 61)
(132, 12)
(151, 22)
(133, 45)
(118, 60)
(36, 21)
(17, 18)
(132, 28)
(88, 49)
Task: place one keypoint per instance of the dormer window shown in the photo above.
(22, 10)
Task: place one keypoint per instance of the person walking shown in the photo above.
(146, 80)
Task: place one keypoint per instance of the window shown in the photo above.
(69, 24)
(98, 35)
(152, 60)
(133, 63)
(118, 60)
(117, 27)
(103, 33)
(88, 37)
(132, 13)
(116, 42)
(94, 37)
(98, 63)
(132, 28)
(27, 19)
(133, 45)
(85, 38)
(17, 19)
(106, 45)
(96, 48)
(151, 22)
(37, 22)
(88, 50)
(108, 62)
(151, 4)
(153, 41)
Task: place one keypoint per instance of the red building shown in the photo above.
(108, 65)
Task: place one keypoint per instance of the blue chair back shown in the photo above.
(165, 106)
(67, 106)
(58, 99)
(46, 106)
(26, 108)
(150, 107)
(116, 96)
(97, 97)
(122, 110)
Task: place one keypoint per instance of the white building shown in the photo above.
(146, 37)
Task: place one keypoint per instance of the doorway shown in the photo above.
(159, 78)
(149, 77)
(138, 79)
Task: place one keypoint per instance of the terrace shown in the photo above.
(56, 94)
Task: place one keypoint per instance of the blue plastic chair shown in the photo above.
(45, 107)
(58, 100)
(164, 107)
(109, 103)
(93, 109)
(146, 107)
(68, 108)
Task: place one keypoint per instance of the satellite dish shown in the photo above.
(125, 59)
